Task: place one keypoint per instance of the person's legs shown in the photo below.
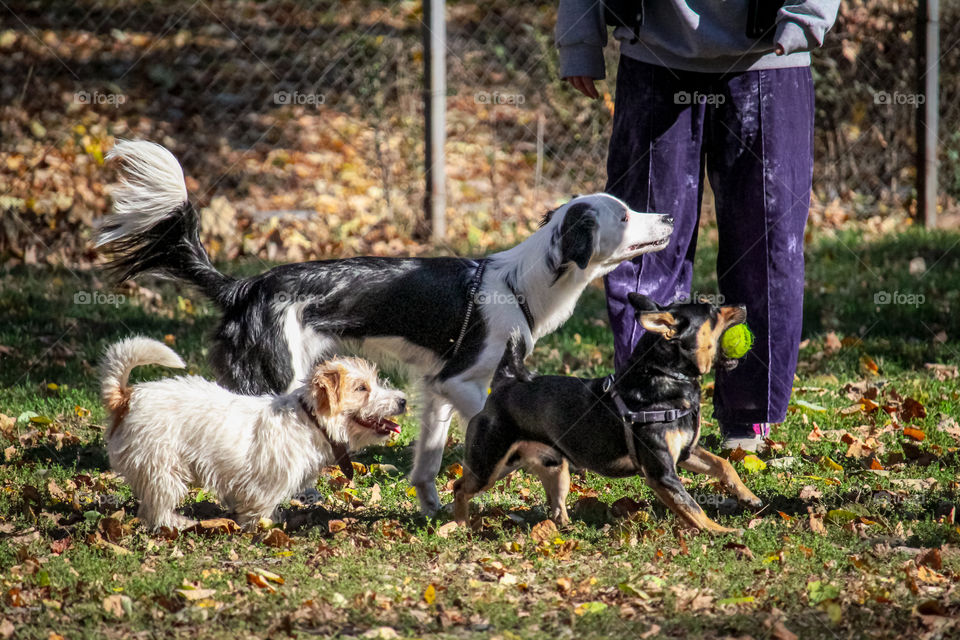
(654, 164)
(759, 148)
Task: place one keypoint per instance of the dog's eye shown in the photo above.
(626, 216)
(362, 387)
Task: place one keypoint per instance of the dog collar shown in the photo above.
(339, 449)
(524, 307)
(472, 304)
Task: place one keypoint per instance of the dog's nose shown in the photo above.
(402, 404)
(668, 220)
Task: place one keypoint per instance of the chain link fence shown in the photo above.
(300, 124)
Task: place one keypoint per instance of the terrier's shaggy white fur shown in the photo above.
(252, 451)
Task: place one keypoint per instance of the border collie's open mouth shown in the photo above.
(644, 245)
(383, 426)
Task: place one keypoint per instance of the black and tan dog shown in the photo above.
(645, 420)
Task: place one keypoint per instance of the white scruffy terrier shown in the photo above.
(252, 451)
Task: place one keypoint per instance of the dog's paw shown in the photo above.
(429, 499)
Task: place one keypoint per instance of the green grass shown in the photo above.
(357, 564)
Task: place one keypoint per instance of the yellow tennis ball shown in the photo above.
(736, 341)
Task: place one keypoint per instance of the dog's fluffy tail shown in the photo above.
(120, 360)
(511, 365)
(154, 228)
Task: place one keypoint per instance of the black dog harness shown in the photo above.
(631, 418)
(472, 304)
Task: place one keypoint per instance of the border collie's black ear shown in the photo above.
(640, 302)
(577, 234)
(545, 220)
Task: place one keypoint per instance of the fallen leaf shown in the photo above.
(544, 531)
(214, 526)
(810, 492)
(259, 581)
(753, 464)
(911, 409)
(117, 605)
(943, 371)
(277, 539)
(446, 529)
(930, 558)
(430, 594)
(869, 366)
(589, 607)
(268, 575)
(742, 550)
(193, 594)
(816, 524)
(564, 585)
(916, 434)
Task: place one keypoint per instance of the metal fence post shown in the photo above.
(435, 116)
(928, 123)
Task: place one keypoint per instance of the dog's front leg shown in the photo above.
(662, 477)
(434, 425)
(702, 461)
(467, 396)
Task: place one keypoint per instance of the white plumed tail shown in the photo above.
(120, 360)
(151, 188)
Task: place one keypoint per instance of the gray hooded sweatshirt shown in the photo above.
(693, 35)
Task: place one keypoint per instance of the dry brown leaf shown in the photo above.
(214, 526)
(912, 408)
(544, 531)
(277, 539)
(930, 558)
(816, 524)
(742, 550)
(116, 604)
(446, 529)
(259, 581)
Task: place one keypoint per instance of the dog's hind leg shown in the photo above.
(489, 454)
(556, 484)
(702, 461)
(160, 492)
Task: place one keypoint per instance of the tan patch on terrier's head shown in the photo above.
(343, 385)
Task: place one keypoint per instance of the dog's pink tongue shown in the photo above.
(390, 426)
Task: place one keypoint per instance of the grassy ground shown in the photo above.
(842, 550)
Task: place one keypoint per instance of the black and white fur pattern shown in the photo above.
(276, 325)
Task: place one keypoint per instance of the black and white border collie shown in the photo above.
(277, 325)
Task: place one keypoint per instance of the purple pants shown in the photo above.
(751, 133)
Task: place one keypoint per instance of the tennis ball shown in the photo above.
(736, 341)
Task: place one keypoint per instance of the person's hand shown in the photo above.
(779, 50)
(585, 85)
